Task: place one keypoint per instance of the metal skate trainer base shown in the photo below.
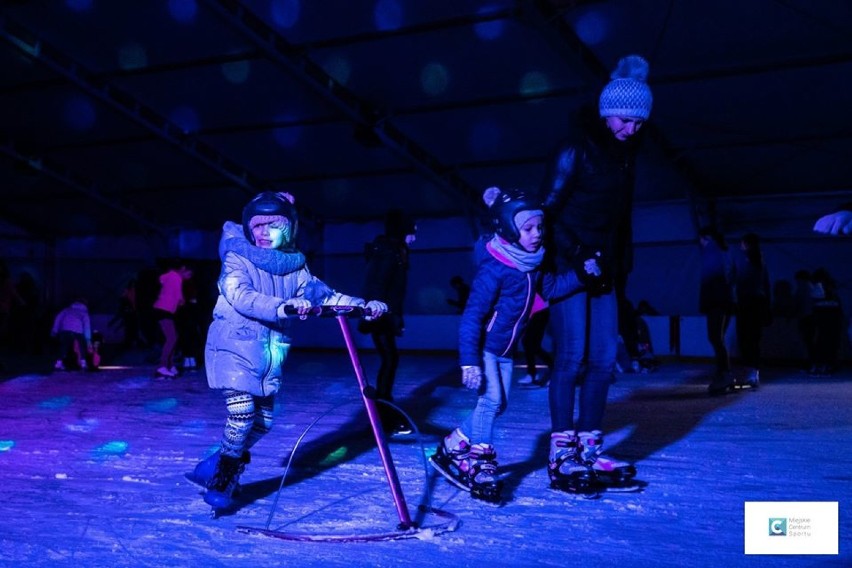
(406, 527)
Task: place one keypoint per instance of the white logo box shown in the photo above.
(791, 527)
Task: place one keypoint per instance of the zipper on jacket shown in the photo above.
(491, 323)
(527, 305)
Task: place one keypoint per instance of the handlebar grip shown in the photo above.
(328, 311)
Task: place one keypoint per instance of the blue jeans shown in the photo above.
(493, 398)
(585, 334)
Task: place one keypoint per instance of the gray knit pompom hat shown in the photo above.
(628, 94)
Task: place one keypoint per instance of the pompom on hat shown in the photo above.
(627, 94)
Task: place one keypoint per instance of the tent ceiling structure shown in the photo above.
(140, 116)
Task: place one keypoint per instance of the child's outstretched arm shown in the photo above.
(587, 274)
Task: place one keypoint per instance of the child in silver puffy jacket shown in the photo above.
(247, 343)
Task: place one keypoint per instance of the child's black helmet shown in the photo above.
(270, 204)
(504, 205)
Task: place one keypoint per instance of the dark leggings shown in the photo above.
(533, 336)
(717, 325)
(389, 355)
(749, 332)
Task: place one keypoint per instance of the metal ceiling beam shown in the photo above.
(810, 141)
(294, 60)
(463, 22)
(79, 183)
(731, 72)
(145, 116)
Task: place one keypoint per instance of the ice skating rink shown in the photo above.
(92, 471)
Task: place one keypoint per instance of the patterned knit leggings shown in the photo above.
(249, 419)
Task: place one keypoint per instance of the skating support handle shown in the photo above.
(327, 312)
(376, 425)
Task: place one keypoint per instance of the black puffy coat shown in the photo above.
(386, 280)
(588, 199)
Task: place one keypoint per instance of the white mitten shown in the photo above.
(471, 376)
(375, 309)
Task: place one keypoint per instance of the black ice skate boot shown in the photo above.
(226, 477)
(566, 470)
(607, 470)
(481, 471)
(206, 468)
(722, 383)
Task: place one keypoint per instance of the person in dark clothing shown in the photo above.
(386, 279)
(803, 311)
(754, 301)
(828, 323)
(533, 351)
(127, 316)
(190, 325)
(716, 302)
(588, 197)
(462, 293)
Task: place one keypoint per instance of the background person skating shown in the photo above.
(386, 279)
(165, 307)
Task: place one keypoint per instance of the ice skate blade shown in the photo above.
(719, 391)
(575, 487)
(617, 476)
(440, 468)
(629, 486)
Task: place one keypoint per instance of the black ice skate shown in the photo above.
(204, 470)
(566, 470)
(722, 383)
(472, 468)
(221, 487)
(608, 472)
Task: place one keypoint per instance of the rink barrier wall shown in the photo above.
(671, 336)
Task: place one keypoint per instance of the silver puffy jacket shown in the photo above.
(247, 343)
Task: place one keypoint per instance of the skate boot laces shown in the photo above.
(564, 454)
(227, 474)
(591, 454)
(481, 465)
(590, 446)
(456, 446)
